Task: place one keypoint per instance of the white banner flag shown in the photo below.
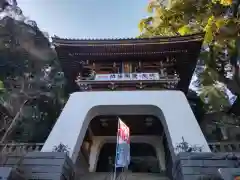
(123, 145)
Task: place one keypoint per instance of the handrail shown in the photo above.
(20, 148)
(225, 146)
(21, 144)
(128, 81)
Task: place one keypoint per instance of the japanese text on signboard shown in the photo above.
(127, 76)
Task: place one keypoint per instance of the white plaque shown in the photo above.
(127, 77)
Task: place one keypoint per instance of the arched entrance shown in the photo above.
(144, 129)
(170, 107)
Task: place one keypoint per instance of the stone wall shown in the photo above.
(195, 166)
(42, 165)
(8, 173)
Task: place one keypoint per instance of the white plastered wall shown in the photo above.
(171, 107)
(99, 141)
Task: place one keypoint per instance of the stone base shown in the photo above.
(195, 166)
(43, 165)
(8, 173)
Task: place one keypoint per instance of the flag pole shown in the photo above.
(115, 167)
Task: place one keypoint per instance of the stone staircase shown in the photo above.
(125, 176)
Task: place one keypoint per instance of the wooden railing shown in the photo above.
(20, 148)
(233, 146)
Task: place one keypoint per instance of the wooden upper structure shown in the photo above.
(171, 57)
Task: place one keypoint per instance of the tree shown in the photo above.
(219, 56)
(196, 104)
(30, 73)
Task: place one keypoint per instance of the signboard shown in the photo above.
(123, 145)
(127, 76)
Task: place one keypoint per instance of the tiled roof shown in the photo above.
(69, 41)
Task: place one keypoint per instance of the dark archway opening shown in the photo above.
(138, 124)
(143, 125)
(143, 158)
(107, 126)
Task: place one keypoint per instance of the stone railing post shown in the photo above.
(195, 166)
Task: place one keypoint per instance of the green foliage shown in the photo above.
(221, 29)
(1, 87)
(61, 148)
(33, 81)
(37, 121)
(210, 93)
(223, 2)
(184, 30)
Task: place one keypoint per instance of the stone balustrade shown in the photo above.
(20, 148)
(204, 165)
(224, 146)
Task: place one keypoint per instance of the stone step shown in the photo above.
(125, 176)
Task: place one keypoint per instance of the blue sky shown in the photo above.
(86, 18)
